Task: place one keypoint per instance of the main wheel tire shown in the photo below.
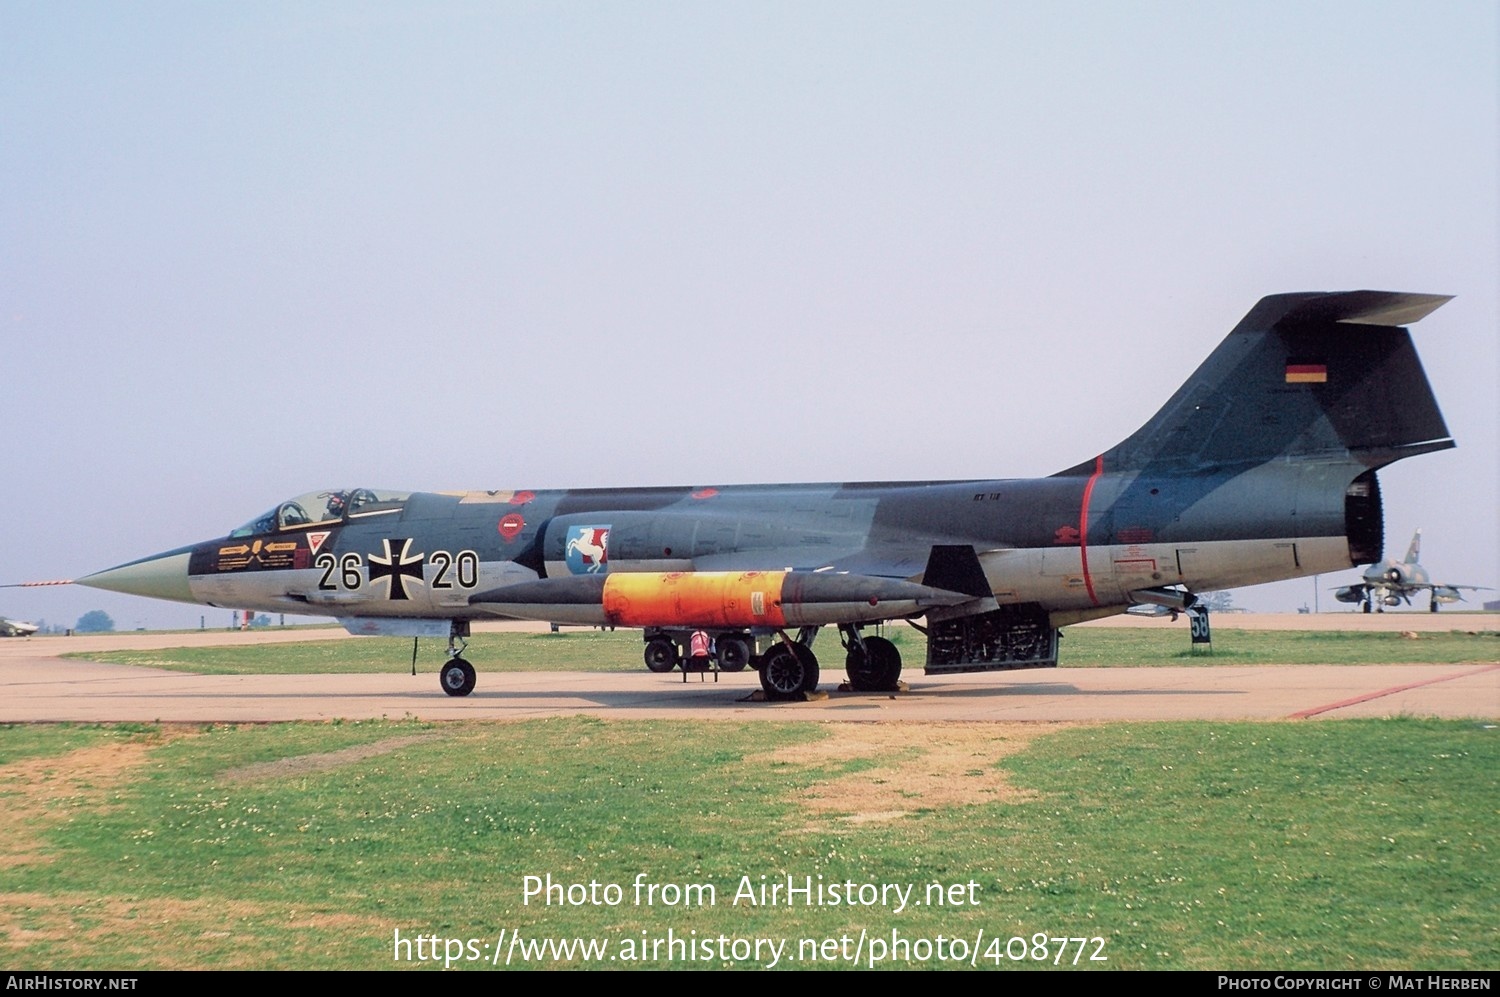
(875, 669)
(661, 654)
(457, 677)
(734, 654)
(858, 667)
(789, 672)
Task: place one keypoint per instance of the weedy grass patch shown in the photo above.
(1330, 845)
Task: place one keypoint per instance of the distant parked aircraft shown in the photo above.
(1393, 582)
(15, 628)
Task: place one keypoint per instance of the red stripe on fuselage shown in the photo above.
(1083, 528)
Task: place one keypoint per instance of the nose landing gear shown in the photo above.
(457, 675)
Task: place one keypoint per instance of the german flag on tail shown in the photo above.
(1306, 372)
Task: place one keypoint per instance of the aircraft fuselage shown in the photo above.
(1076, 546)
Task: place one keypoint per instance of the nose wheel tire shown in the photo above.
(789, 672)
(457, 677)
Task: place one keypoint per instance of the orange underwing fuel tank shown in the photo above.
(708, 599)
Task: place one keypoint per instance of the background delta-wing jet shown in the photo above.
(1260, 468)
(16, 628)
(1392, 583)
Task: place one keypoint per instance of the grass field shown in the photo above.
(1348, 845)
(588, 650)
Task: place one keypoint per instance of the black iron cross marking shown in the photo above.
(396, 567)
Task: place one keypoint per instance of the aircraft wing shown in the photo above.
(1408, 587)
(1437, 592)
(886, 561)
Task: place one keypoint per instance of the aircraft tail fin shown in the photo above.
(1415, 550)
(1311, 375)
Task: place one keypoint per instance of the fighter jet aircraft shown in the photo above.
(1260, 468)
(1392, 583)
(16, 628)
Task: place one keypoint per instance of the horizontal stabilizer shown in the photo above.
(1387, 308)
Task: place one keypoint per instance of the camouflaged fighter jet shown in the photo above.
(1260, 468)
(1394, 582)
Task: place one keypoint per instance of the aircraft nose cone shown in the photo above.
(161, 576)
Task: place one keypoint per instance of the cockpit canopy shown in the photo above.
(325, 508)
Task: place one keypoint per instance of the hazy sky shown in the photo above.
(252, 250)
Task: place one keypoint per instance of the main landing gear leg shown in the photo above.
(873, 664)
(789, 670)
(457, 675)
